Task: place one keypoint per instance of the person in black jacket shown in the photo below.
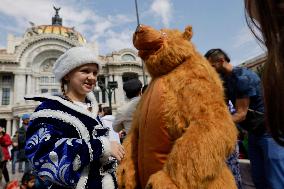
(21, 144)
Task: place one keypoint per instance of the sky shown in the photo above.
(111, 23)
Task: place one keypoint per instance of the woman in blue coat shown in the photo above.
(66, 144)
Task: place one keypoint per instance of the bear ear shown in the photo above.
(187, 34)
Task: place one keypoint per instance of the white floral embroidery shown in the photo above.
(64, 167)
(70, 119)
(76, 163)
(53, 157)
(43, 134)
(54, 166)
(79, 141)
(50, 167)
(59, 142)
(69, 142)
(67, 118)
(62, 171)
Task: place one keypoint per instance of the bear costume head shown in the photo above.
(163, 50)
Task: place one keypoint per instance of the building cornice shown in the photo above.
(8, 58)
(254, 62)
(122, 63)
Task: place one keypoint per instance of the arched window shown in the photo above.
(128, 57)
(47, 65)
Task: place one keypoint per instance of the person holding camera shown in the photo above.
(243, 88)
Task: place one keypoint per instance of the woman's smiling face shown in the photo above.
(82, 80)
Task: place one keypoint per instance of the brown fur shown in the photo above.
(195, 115)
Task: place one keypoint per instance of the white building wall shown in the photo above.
(119, 91)
(19, 88)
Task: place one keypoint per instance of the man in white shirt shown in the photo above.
(107, 120)
(124, 114)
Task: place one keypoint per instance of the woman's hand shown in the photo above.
(117, 150)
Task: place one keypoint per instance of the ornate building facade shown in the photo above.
(26, 69)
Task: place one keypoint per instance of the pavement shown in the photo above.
(244, 168)
(17, 175)
(246, 174)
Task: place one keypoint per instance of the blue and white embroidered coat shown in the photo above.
(68, 146)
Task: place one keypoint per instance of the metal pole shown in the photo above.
(109, 97)
(138, 23)
(137, 15)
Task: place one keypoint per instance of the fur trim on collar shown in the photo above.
(90, 96)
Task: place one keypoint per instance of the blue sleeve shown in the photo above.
(245, 87)
(60, 160)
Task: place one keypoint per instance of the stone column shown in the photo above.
(14, 126)
(106, 83)
(140, 77)
(37, 81)
(19, 88)
(99, 93)
(29, 84)
(148, 79)
(20, 122)
(8, 126)
(120, 97)
(33, 85)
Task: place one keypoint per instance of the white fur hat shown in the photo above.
(73, 58)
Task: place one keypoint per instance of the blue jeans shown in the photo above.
(14, 160)
(267, 162)
(28, 167)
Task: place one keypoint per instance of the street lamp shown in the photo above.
(109, 89)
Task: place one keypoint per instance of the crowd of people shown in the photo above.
(71, 141)
(244, 89)
(13, 150)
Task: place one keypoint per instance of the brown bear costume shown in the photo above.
(182, 130)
